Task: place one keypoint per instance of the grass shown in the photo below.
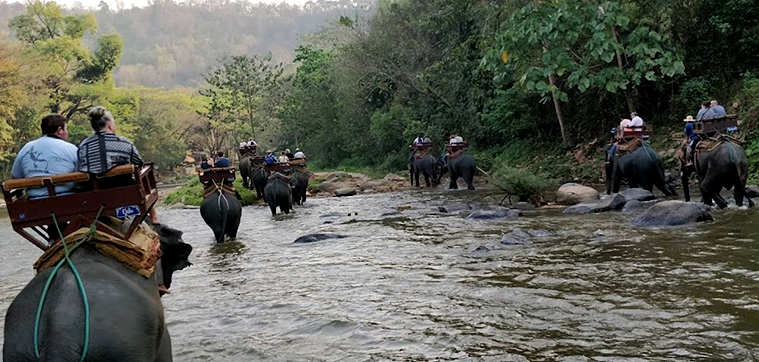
(192, 194)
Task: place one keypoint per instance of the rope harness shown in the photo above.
(79, 283)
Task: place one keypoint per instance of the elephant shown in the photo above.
(260, 178)
(724, 166)
(126, 317)
(642, 168)
(246, 171)
(278, 192)
(427, 165)
(300, 185)
(463, 166)
(222, 213)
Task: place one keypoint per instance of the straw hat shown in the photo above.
(689, 119)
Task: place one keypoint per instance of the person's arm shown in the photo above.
(18, 171)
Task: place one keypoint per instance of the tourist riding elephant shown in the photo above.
(427, 165)
(221, 212)
(260, 177)
(642, 168)
(300, 185)
(246, 171)
(463, 166)
(723, 166)
(126, 317)
(278, 192)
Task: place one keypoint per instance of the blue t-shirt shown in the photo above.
(222, 162)
(701, 113)
(270, 160)
(45, 156)
(689, 131)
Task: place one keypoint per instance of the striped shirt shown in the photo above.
(103, 151)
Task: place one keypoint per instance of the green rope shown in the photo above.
(644, 144)
(90, 234)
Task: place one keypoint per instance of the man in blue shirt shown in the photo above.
(221, 161)
(693, 139)
(204, 165)
(48, 155)
(718, 110)
(702, 111)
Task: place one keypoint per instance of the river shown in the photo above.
(410, 285)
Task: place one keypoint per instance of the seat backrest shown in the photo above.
(37, 182)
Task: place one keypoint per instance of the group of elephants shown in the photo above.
(433, 169)
(222, 213)
(725, 166)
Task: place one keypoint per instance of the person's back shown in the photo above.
(299, 155)
(46, 156)
(636, 120)
(270, 159)
(105, 150)
(283, 158)
(702, 111)
(221, 161)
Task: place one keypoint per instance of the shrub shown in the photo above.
(526, 185)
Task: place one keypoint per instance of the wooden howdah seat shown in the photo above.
(248, 150)
(79, 209)
(421, 146)
(281, 167)
(256, 161)
(712, 126)
(455, 147)
(631, 133)
(217, 176)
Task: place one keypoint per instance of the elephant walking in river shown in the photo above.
(246, 173)
(126, 317)
(221, 212)
(724, 166)
(278, 193)
(461, 165)
(300, 185)
(260, 178)
(642, 168)
(427, 166)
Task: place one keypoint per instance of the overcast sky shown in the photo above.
(131, 3)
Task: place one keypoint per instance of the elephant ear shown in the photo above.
(176, 253)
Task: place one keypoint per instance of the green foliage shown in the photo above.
(524, 184)
(192, 194)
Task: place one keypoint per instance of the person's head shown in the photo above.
(633, 114)
(220, 154)
(250, 139)
(55, 125)
(101, 120)
(297, 150)
(283, 153)
(287, 150)
(714, 103)
(204, 158)
(705, 104)
(269, 152)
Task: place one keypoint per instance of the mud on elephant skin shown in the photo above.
(118, 331)
(222, 213)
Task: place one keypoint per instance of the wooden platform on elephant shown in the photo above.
(630, 146)
(283, 168)
(712, 126)
(456, 147)
(217, 176)
(628, 134)
(421, 153)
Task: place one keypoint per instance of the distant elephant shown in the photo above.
(427, 166)
(245, 171)
(300, 185)
(724, 166)
(463, 166)
(127, 322)
(221, 212)
(260, 178)
(278, 192)
(642, 168)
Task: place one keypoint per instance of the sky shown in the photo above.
(131, 3)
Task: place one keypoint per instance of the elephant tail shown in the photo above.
(225, 213)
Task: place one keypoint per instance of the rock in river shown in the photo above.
(345, 191)
(573, 194)
(493, 212)
(613, 202)
(310, 238)
(673, 213)
(581, 209)
(637, 194)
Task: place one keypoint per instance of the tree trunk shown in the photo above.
(628, 98)
(557, 107)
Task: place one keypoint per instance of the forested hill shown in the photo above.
(171, 44)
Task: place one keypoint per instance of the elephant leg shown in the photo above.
(416, 177)
(453, 185)
(616, 179)
(469, 178)
(427, 179)
(273, 208)
(218, 233)
(686, 188)
(739, 192)
(164, 350)
(232, 226)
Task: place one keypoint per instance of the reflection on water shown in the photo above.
(410, 283)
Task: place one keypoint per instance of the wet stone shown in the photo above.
(673, 213)
(581, 209)
(637, 194)
(612, 202)
(310, 238)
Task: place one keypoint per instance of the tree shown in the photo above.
(580, 45)
(75, 77)
(237, 89)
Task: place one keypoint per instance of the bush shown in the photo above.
(192, 194)
(524, 184)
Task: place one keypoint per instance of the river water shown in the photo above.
(410, 286)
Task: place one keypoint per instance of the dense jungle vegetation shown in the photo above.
(530, 84)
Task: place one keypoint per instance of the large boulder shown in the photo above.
(394, 178)
(613, 202)
(493, 212)
(581, 209)
(573, 194)
(338, 176)
(633, 206)
(673, 213)
(345, 191)
(637, 194)
(330, 187)
(310, 238)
